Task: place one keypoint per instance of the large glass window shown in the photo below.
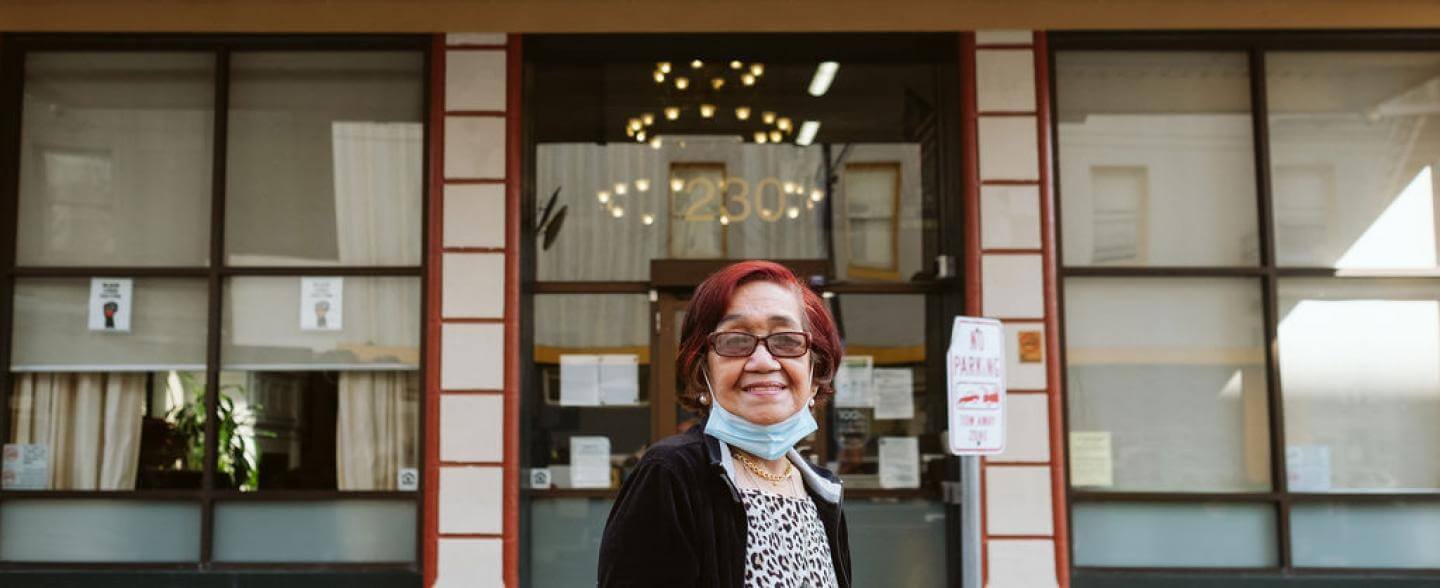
(1291, 386)
(661, 159)
(173, 397)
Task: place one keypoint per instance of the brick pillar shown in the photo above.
(472, 406)
(1011, 276)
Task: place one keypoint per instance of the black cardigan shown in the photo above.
(679, 520)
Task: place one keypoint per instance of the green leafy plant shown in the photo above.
(232, 452)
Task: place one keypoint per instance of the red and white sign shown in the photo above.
(975, 374)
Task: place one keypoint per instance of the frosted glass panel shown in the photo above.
(1353, 347)
(312, 531)
(565, 540)
(1174, 535)
(896, 544)
(1172, 371)
(325, 158)
(99, 531)
(52, 332)
(1353, 142)
(376, 326)
(1386, 535)
(1156, 158)
(115, 159)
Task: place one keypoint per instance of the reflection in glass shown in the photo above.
(1352, 143)
(1360, 535)
(377, 325)
(324, 158)
(1355, 354)
(1156, 158)
(1213, 535)
(1172, 371)
(115, 159)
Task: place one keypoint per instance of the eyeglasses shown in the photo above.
(734, 344)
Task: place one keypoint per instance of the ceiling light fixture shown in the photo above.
(643, 184)
(808, 129)
(742, 112)
(824, 75)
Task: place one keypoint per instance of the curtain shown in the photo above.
(89, 422)
(377, 432)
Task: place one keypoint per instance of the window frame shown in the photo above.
(1256, 45)
(216, 272)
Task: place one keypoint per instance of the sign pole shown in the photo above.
(970, 532)
(975, 382)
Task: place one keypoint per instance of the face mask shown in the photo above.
(766, 441)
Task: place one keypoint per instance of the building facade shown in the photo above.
(346, 296)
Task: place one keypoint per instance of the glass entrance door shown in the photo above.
(657, 159)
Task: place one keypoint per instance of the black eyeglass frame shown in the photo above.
(755, 343)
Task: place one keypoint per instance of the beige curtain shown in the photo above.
(90, 423)
(377, 432)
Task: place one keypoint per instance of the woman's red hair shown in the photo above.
(712, 299)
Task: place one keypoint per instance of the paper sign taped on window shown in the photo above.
(26, 467)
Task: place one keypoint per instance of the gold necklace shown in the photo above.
(759, 471)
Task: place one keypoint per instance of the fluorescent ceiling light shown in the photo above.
(824, 74)
(807, 132)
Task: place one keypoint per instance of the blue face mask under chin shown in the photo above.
(766, 441)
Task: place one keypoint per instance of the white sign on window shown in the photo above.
(899, 462)
(110, 304)
(26, 467)
(322, 304)
(590, 462)
(975, 374)
(853, 381)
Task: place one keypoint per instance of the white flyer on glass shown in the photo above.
(1090, 459)
(322, 304)
(26, 466)
(579, 380)
(589, 462)
(975, 378)
(853, 382)
(619, 379)
(110, 304)
(894, 393)
(899, 462)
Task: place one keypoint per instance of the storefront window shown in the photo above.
(663, 159)
(155, 388)
(1279, 400)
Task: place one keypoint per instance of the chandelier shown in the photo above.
(720, 94)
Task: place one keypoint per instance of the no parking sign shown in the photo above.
(975, 378)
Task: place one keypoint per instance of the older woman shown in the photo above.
(731, 503)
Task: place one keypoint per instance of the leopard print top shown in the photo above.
(786, 545)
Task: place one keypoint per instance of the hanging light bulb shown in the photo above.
(707, 110)
(775, 136)
(629, 132)
(617, 212)
(677, 184)
(621, 188)
(757, 69)
(663, 66)
(717, 83)
(747, 79)
(724, 220)
(792, 212)
(648, 219)
(783, 124)
(643, 184)
(640, 136)
(682, 83)
(655, 142)
(760, 137)
(659, 77)
(789, 188)
(697, 64)
(603, 196)
(672, 112)
(809, 205)
(768, 117)
(817, 195)
(636, 124)
(742, 112)
(735, 64)
(647, 118)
